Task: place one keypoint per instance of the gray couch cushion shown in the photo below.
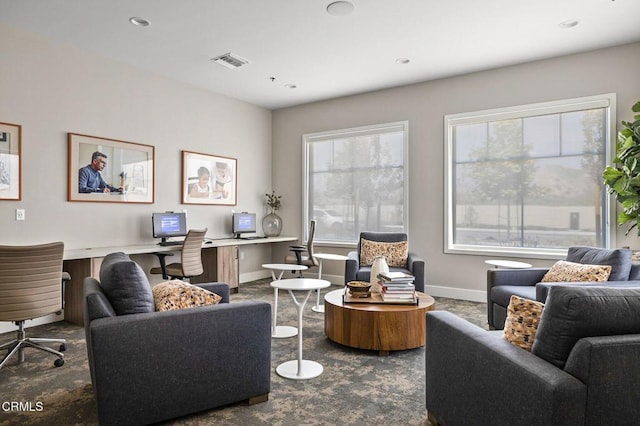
(574, 312)
(502, 293)
(619, 259)
(125, 284)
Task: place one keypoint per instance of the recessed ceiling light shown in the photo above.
(569, 23)
(141, 22)
(290, 86)
(340, 8)
(403, 61)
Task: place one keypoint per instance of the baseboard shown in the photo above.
(253, 276)
(457, 293)
(6, 327)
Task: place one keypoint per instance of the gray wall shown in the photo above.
(424, 105)
(51, 89)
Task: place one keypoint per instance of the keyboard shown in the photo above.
(170, 243)
(255, 237)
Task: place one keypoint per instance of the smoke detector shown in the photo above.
(230, 60)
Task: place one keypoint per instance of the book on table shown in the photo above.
(398, 297)
(396, 277)
(398, 288)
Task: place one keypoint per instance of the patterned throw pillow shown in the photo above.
(523, 316)
(395, 253)
(176, 294)
(563, 271)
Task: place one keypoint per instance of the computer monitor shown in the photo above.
(243, 223)
(169, 224)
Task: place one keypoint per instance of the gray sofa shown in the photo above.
(502, 283)
(583, 369)
(148, 366)
(355, 272)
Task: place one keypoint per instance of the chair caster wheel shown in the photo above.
(62, 348)
(59, 362)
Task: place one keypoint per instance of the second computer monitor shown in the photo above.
(243, 223)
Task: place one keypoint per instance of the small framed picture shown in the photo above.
(208, 179)
(109, 171)
(10, 162)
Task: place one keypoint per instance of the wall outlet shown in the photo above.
(19, 214)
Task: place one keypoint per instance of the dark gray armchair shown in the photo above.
(356, 272)
(502, 283)
(148, 367)
(583, 369)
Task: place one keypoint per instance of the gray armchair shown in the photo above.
(583, 369)
(502, 283)
(356, 272)
(148, 367)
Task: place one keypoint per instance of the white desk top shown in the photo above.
(86, 253)
(300, 284)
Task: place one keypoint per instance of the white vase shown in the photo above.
(379, 266)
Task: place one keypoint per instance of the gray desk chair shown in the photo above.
(190, 264)
(30, 287)
(303, 255)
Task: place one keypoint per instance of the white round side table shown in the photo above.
(324, 256)
(281, 331)
(300, 369)
(510, 264)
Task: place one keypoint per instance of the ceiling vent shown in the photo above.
(230, 60)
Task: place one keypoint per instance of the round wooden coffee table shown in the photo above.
(379, 327)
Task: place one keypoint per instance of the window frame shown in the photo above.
(310, 138)
(606, 101)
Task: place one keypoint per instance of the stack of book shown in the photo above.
(397, 287)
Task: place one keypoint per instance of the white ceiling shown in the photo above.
(325, 56)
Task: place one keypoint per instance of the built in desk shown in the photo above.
(219, 261)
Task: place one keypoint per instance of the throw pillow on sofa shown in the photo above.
(563, 271)
(125, 284)
(523, 317)
(574, 312)
(176, 294)
(395, 254)
(619, 259)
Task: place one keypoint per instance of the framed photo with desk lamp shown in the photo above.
(105, 170)
(209, 179)
(10, 162)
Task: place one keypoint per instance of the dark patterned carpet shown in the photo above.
(357, 387)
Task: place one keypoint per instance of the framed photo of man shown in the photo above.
(208, 179)
(109, 171)
(10, 162)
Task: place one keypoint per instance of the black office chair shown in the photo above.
(190, 264)
(303, 255)
(30, 287)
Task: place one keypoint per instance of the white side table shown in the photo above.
(300, 369)
(281, 331)
(510, 264)
(324, 256)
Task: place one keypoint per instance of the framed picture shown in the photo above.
(10, 162)
(109, 171)
(208, 179)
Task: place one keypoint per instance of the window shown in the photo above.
(528, 179)
(355, 180)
